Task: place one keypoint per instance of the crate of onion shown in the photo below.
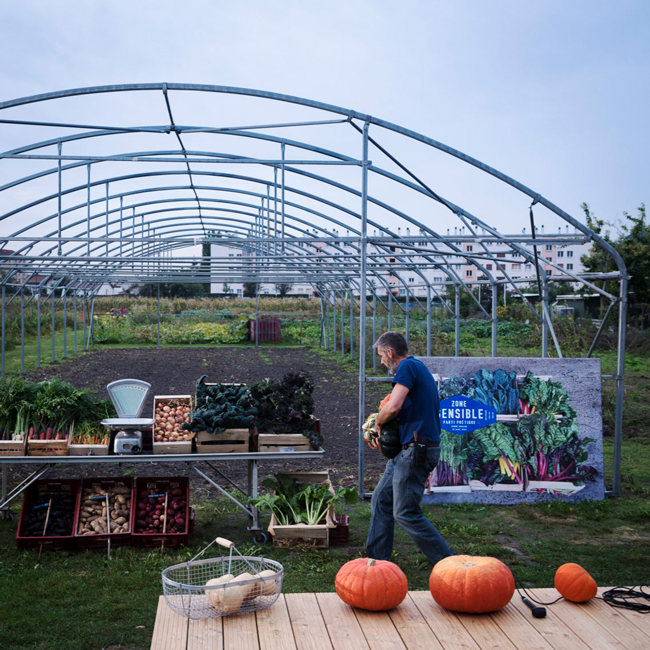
(170, 412)
(162, 511)
(104, 511)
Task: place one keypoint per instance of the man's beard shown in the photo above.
(392, 366)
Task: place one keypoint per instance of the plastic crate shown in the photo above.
(162, 485)
(41, 491)
(268, 330)
(340, 534)
(100, 540)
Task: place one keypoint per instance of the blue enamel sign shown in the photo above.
(462, 414)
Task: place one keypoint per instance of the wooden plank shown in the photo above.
(487, 634)
(445, 625)
(379, 630)
(274, 627)
(240, 632)
(551, 628)
(520, 630)
(205, 634)
(412, 627)
(170, 629)
(642, 621)
(309, 629)
(575, 617)
(342, 625)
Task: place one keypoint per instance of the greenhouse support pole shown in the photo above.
(107, 231)
(65, 323)
(91, 326)
(327, 344)
(22, 331)
(374, 331)
(342, 324)
(257, 315)
(88, 213)
(545, 322)
(59, 247)
(159, 314)
(38, 328)
(334, 322)
(390, 309)
(620, 388)
(75, 321)
(362, 307)
(407, 311)
(428, 320)
(351, 324)
(2, 352)
(84, 313)
(505, 304)
(322, 311)
(53, 296)
(495, 302)
(457, 323)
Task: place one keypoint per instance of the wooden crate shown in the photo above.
(13, 447)
(185, 400)
(47, 447)
(179, 447)
(282, 442)
(87, 450)
(230, 441)
(301, 534)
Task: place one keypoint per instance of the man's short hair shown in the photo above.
(393, 341)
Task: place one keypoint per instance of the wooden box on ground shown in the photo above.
(230, 441)
(41, 491)
(13, 447)
(87, 450)
(125, 484)
(285, 442)
(162, 485)
(47, 447)
(302, 534)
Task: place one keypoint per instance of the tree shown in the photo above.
(632, 242)
(226, 288)
(250, 289)
(283, 288)
(173, 290)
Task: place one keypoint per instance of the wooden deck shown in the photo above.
(323, 622)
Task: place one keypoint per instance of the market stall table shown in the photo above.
(324, 622)
(46, 463)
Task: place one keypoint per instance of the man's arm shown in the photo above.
(392, 408)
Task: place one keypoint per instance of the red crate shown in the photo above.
(340, 534)
(48, 487)
(269, 330)
(162, 484)
(101, 540)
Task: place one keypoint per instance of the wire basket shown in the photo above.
(238, 584)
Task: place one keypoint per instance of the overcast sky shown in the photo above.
(553, 93)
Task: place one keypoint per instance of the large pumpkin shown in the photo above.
(375, 585)
(477, 585)
(575, 583)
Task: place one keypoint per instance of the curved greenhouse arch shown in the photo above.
(119, 213)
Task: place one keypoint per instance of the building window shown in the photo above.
(501, 254)
(516, 277)
(561, 266)
(411, 279)
(438, 278)
(402, 292)
(569, 253)
(560, 253)
(392, 259)
(239, 292)
(515, 254)
(569, 267)
(549, 247)
(392, 249)
(468, 274)
(516, 266)
(488, 267)
(457, 267)
(528, 267)
(549, 271)
(231, 255)
(469, 249)
(548, 259)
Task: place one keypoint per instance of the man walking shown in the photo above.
(414, 399)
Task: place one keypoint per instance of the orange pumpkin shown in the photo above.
(375, 585)
(477, 585)
(575, 583)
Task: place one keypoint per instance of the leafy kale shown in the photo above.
(498, 390)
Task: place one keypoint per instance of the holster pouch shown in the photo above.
(420, 454)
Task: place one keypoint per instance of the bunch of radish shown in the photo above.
(170, 415)
(163, 511)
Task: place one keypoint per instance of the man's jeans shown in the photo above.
(397, 499)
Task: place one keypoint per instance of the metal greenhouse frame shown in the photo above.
(97, 203)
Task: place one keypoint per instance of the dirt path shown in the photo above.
(174, 371)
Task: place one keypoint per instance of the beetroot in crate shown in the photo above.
(47, 515)
(104, 511)
(162, 511)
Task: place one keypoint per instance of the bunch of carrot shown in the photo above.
(100, 438)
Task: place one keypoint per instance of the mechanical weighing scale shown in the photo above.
(128, 397)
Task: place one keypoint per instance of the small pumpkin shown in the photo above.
(574, 583)
(384, 401)
(476, 585)
(375, 585)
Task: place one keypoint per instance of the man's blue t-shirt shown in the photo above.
(421, 409)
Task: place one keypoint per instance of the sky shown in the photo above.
(553, 93)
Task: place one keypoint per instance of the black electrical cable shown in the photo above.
(628, 597)
(521, 588)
